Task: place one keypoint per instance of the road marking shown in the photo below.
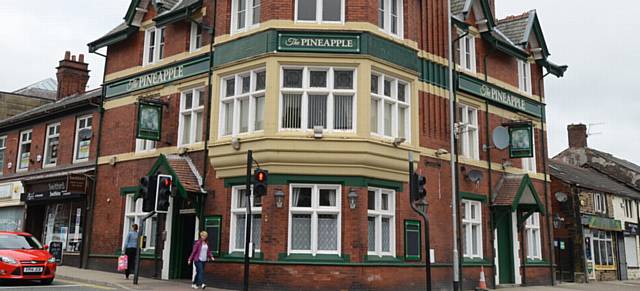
(86, 284)
(39, 286)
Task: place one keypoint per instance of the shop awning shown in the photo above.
(518, 193)
(602, 223)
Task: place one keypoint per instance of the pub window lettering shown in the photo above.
(24, 151)
(3, 148)
(153, 45)
(51, 145)
(242, 103)
(320, 10)
(390, 16)
(83, 139)
(245, 15)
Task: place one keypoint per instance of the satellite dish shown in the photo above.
(474, 176)
(561, 197)
(501, 137)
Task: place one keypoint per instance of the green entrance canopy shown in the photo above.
(518, 193)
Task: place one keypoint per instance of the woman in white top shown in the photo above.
(200, 254)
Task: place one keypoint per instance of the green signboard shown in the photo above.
(159, 76)
(149, 121)
(521, 141)
(303, 42)
(500, 96)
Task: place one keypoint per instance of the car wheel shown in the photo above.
(46, 281)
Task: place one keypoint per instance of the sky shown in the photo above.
(596, 41)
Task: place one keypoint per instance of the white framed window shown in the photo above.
(524, 76)
(145, 145)
(390, 104)
(532, 231)
(467, 132)
(391, 17)
(51, 145)
(195, 39)
(467, 52)
(529, 164)
(599, 203)
(317, 96)
(153, 45)
(320, 11)
(628, 208)
(133, 215)
(242, 103)
(314, 219)
(603, 254)
(3, 149)
(238, 219)
(381, 230)
(83, 138)
(191, 114)
(472, 229)
(24, 150)
(245, 14)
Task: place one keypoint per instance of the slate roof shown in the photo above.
(507, 189)
(627, 164)
(590, 179)
(457, 6)
(515, 27)
(186, 172)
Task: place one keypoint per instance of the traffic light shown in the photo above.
(148, 192)
(164, 191)
(418, 190)
(260, 178)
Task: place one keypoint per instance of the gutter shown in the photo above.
(207, 136)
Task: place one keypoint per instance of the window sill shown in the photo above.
(536, 262)
(239, 257)
(374, 259)
(309, 258)
(475, 262)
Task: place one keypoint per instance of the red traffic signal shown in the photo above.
(260, 178)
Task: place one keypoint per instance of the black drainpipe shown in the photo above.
(546, 190)
(489, 169)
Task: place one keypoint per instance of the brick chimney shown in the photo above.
(577, 135)
(73, 75)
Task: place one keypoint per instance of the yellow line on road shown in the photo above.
(86, 284)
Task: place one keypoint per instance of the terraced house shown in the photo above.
(331, 96)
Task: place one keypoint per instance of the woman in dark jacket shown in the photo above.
(200, 254)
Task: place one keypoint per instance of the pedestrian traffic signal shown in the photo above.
(418, 190)
(164, 192)
(260, 178)
(148, 192)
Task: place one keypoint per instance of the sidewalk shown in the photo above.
(118, 281)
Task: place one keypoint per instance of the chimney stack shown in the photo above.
(577, 135)
(72, 75)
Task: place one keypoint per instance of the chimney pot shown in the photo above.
(577, 135)
(73, 58)
(67, 55)
(81, 58)
(72, 76)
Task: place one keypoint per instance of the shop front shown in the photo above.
(55, 212)
(600, 247)
(11, 209)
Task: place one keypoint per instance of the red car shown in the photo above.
(22, 257)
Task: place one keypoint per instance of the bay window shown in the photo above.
(191, 114)
(153, 45)
(390, 16)
(467, 132)
(524, 76)
(472, 229)
(24, 150)
(312, 97)
(51, 145)
(314, 219)
(239, 221)
(320, 10)
(381, 222)
(84, 134)
(242, 103)
(390, 114)
(532, 231)
(133, 215)
(245, 14)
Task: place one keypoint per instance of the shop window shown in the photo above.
(64, 224)
(133, 215)
(390, 16)
(317, 97)
(381, 222)
(153, 45)
(599, 203)
(628, 208)
(24, 151)
(239, 221)
(242, 103)
(602, 248)
(191, 113)
(466, 48)
(412, 240)
(467, 132)
(631, 251)
(529, 164)
(314, 219)
(471, 228)
(390, 114)
(51, 145)
(532, 230)
(524, 76)
(195, 39)
(3, 149)
(83, 138)
(320, 10)
(10, 217)
(213, 226)
(245, 15)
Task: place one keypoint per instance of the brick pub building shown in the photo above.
(331, 96)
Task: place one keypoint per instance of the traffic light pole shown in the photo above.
(425, 217)
(248, 216)
(136, 271)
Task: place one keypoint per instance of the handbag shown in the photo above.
(123, 263)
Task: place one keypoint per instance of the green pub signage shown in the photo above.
(521, 140)
(149, 121)
(302, 42)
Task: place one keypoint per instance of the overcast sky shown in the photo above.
(596, 41)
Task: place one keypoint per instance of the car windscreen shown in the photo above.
(18, 242)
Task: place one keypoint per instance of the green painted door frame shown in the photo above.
(503, 224)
